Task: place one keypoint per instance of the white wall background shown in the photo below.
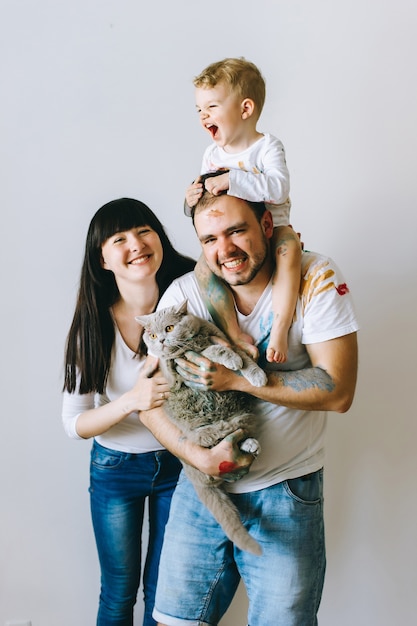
(97, 103)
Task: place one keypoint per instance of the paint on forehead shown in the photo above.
(215, 212)
(210, 212)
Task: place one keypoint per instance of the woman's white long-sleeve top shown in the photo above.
(129, 435)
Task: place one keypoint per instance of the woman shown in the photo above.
(128, 263)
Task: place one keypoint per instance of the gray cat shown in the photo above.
(205, 417)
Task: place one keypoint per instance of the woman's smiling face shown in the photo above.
(133, 254)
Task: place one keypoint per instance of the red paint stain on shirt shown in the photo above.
(342, 289)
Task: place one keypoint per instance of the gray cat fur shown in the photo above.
(206, 417)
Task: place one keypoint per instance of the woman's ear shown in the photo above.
(247, 108)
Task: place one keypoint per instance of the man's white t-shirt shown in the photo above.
(292, 441)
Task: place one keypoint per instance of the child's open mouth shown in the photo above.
(212, 128)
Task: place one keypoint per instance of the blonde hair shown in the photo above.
(242, 76)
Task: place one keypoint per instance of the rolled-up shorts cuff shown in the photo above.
(176, 621)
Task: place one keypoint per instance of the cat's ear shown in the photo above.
(182, 308)
(142, 319)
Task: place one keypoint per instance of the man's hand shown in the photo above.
(200, 373)
(238, 463)
(299, 237)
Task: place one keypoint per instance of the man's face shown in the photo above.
(235, 244)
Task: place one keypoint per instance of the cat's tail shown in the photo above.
(218, 502)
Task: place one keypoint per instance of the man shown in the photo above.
(281, 498)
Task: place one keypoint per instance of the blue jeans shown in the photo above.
(201, 569)
(119, 485)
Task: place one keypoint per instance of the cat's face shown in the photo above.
(168, 331)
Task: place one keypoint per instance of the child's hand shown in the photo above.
(217, 184)
(194, 193)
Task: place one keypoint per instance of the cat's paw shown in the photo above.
(223, 355)
(251, 445)
(256, 376)
(234, 362)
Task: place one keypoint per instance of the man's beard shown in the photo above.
(256, 264)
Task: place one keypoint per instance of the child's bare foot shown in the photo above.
(277, 349)
(275, 356)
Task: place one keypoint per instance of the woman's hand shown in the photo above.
(151, 389)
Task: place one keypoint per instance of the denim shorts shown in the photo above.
(200, 568)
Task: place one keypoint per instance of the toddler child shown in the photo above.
(229, 96)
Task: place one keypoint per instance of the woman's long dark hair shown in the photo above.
(91, 336)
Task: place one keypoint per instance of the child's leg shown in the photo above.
(285, 287)
(219, 301)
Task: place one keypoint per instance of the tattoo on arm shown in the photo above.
(311, 378)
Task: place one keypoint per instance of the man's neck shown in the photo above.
(247, 296)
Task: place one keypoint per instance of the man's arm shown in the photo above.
(224, 458)
(328, 385)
